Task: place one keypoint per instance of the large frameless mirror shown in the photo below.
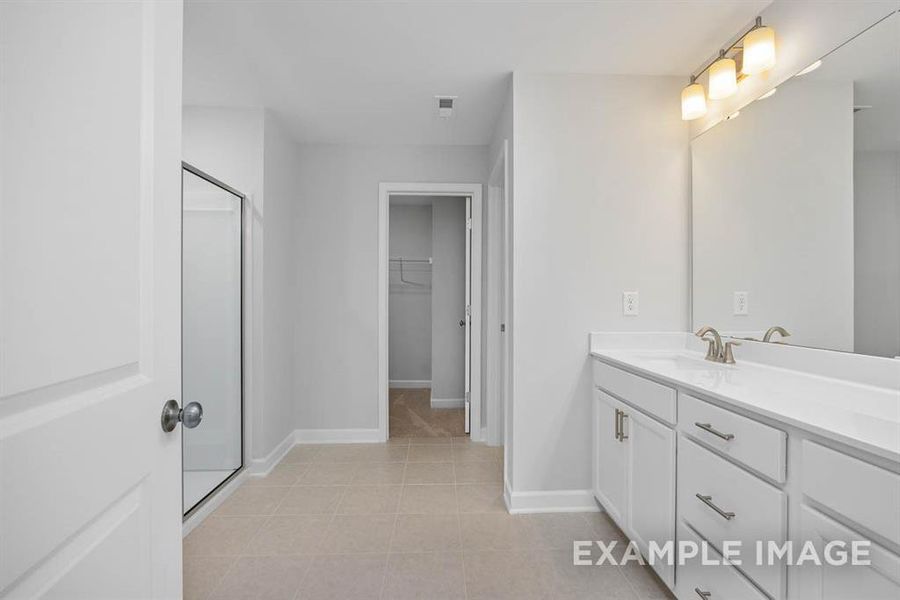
(211, 332)
(796, 206)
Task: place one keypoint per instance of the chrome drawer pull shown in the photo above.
(708, 427)
(703, 594)
(707, 500)
(618, 425)
(622, 436)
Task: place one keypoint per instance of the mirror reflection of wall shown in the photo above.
(796, 206)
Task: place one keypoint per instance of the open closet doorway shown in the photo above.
(429, 317)
(428, 298)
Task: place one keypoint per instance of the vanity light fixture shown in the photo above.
(768, 94)
(810, 68)
(755, 50)
(759, 49)
(722, 77)
(693, 101)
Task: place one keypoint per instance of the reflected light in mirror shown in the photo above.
(810, 68)
(759, 51)
(693, 102)
(722, 78)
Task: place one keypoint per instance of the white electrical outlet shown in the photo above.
(741, 304)
(630, 304)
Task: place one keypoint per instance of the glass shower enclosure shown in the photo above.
(212, 225)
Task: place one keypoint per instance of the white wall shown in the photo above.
(503, 133)
(227, 143)
(805, 31)
(247, 149)
(336, 262)
(448, 304)
(601, 206)
(773, 216)
(282, 192)
(409, 306)
(876, 222)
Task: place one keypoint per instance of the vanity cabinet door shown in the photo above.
(609, 457)
(879, 580)
(650, 481)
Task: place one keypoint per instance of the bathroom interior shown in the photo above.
(434, 291)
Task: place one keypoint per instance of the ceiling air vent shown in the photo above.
(445, 106)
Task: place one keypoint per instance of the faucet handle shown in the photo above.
(711, 351)
(729, 353)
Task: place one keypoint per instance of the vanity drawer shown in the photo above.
(735, 506)
(760, 447)
(720, 582)
(652, 397)
(862, 492)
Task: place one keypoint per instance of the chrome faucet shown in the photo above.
(717, 352)
(773, 330)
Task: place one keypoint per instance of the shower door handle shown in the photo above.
(172, 414)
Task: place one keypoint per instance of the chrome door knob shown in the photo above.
(190, 415)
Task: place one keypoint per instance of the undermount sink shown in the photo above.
(674, 360)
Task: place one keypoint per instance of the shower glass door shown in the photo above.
(211, 332)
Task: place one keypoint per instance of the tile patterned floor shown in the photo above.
(415, 518)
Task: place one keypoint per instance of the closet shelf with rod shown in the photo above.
(403, 260)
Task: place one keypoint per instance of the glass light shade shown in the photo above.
(759, 51)
(693, 102)
(722, 79)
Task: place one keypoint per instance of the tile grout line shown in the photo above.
(272, 516)
(241, 554)
(305, 466)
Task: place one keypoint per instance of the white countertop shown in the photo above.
(866, 417)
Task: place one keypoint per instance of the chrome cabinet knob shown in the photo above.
(172, 414)
(462, 322)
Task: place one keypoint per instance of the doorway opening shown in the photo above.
(429, 310)
(428, 315)
(212, 340)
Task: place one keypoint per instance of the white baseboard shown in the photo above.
(554, 501)
(410, 383)
(260, 467)
(448, 402)
(337, 436)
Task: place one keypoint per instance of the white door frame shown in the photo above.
(496, 353)
(385, 191)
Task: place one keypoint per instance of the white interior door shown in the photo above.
(468, 315)
(90, 184)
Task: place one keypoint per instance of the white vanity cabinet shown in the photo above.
(671, 465)
(634, 473)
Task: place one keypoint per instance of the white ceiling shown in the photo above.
(367, 71)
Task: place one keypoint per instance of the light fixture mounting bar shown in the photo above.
(756, 25)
